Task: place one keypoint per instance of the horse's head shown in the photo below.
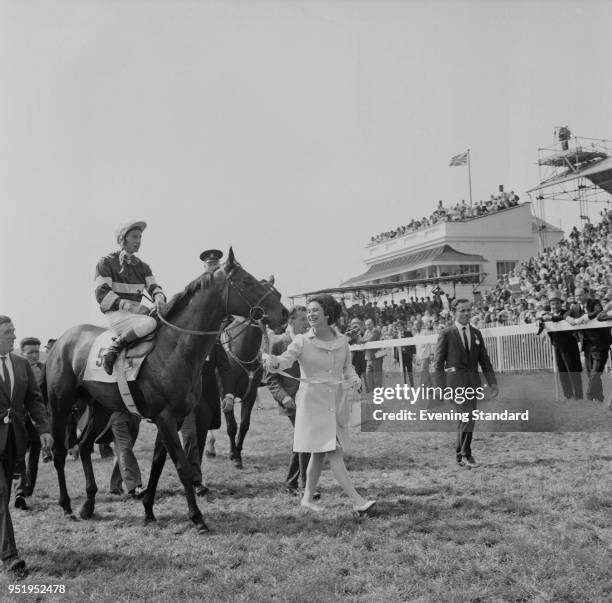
(248, 297)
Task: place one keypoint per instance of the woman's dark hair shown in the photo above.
(331, 308)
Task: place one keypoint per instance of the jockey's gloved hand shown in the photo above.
(141, 309)
(160, 305)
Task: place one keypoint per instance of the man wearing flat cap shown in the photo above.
(567, 353)
(121, 278)
(28, 468)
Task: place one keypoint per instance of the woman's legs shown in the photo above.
(312, 479)
(336, 463)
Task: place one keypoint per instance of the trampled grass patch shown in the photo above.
(532, 523)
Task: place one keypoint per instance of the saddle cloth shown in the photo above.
(132, 359)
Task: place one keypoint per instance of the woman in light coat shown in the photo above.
(322, 411)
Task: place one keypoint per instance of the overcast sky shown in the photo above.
(291, 130)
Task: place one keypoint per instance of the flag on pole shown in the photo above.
(460, 159)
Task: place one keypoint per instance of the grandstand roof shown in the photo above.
(434, 280)
(599, 173)
(442, 254)
(543, 224)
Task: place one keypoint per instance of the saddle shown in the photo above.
(127, 366)
(141, 347)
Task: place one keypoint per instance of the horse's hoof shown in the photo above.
(149, 519)
(202, 528)
(238, 463)
(86, 512)
(70, 516)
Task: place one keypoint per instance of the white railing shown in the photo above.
(512, 348)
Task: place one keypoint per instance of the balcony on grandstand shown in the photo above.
(464, 252)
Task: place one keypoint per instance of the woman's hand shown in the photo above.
(270, 362)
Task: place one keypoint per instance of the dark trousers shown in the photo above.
(465, 431)
(570, 367)
(297, 465)
(408, 374)
(205, 416)
(595, 359)
(29, 472)
(7, 467)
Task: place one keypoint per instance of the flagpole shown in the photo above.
(469, 175)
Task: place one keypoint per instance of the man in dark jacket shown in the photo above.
(30, 350)
(19, 394)
(595, 342)
(459, 351)
(567, 354)
(207, 413)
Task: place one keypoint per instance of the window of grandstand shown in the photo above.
(506, 267)
(452, 270)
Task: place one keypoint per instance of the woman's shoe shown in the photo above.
(311, 506)
(363, 509)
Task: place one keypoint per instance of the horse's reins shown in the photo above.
(243, 363)
(256, 312)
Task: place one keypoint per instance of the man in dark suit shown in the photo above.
(567, 354)
(284, 389)
(595, 342)
(207, 413)
(19, 393)
(30, 350)
(459, 351)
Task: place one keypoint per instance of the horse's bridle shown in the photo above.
(256, 312)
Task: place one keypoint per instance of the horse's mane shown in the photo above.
(180, 300)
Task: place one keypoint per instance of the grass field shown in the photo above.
(533, 523)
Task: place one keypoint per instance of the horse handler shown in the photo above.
(120, 280)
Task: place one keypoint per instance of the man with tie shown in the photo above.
(459, 351)
(595, 342)
(19, 393)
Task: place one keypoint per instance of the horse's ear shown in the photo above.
(231, 260)
(271, 279)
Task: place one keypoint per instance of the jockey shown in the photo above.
(120, 281)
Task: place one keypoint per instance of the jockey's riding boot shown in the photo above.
(108, 361)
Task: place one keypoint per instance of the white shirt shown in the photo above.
(467, 333)
(9, 366)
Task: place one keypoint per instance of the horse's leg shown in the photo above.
(168, 430)
(60, 416)
(157, 466)
(91, 488)
(232, 430)
(245, 423)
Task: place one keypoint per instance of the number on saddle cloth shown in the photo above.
(134, 357)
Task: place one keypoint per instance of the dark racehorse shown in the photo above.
(169, 382)
(242, 343)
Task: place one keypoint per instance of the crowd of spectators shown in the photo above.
(458, 212)
(583, 259)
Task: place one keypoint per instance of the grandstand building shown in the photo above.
(466, 252)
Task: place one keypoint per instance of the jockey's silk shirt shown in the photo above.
(117, 280)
